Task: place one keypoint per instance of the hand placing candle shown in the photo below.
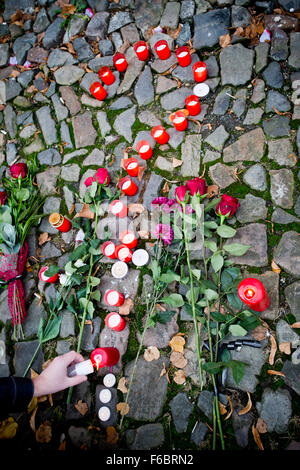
(113, 298)
(59, 222)
(192, 104)
(252, 292)
(45, 278)
(106, 76)
(160, 134)
(108, 249)
(98, 91)
(128, 239)
(118, 208)
(81, 368)
(183, 56)
(200, 71)
(144, 149)
(120, 62)
(104, 357)
(141, 50)
(128, 186)
(179, 120)
(123, 253)
(162, 49)
(132, 166)
(115, 322)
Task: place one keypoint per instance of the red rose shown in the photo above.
(197, 186)
(181, 194)
(18, 169)
(89, 181)
(102, 176)
(227, 206)
(3, 198)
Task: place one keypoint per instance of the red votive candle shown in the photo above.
(45, 278)
(160, 134)
(123, 253)
(108, 249)
(141, 50)
(120, 62)
(128, 239)
(162, 49)
(192, 104)
(105, 357)
(128, 186)
(179, 120)
(183, 56)
(200, 71)
(59, 222)
(118, 208)
(98, 91)
(252, 292)
(144, 149)
(113, 298)
(115, 322)
(106, 75)
(132, 166)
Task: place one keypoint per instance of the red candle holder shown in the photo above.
(200, 71)
(123, 253)
(118, 208)
(106, 75)
(252, 292)
(45, 278)
(113, 298)
(183, 56)
(192, 104)
(141, 50)
(179, 120)
(128, 186)
(114, 321)
(162, 49)
(120, 62)
(59, 222)
(98, 91)
(108, 249)
(144, 149)
(160, 134)
(132, 166)
(128, 239)
(104, 357)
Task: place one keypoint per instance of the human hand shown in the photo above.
(54, 378)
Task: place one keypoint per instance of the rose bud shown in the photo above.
(197, 186)
(3, 198)
(227, 206)
(102, 176)
(181, 194)
(18, 169)
(89, 181)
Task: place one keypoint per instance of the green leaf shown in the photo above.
(225, 231)
(236, 249)
(173, 300)
(211, 245)
(234, 272)
(22, 194)
(235, 301)
(213, 367)
(41, 330)
(169, 277)
(237, 330)
(165, 317)
(95, 295)
(52, 329)
(52, 270)
(197, 273)
(211, 224)
(155, 268)
(189, 309)
(211, 294)
(93, 189)
(238, 370)
(79, 252)
(196, 294)
(217, 316)
(95, 281)
(69, 269)
(212, 204)
(217, 262)
(225, 355)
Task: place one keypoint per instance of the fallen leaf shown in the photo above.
(32, 420)
(179, 377)
(257, 437)
(68, 10)
(295, 325)
(259, 333)
(285, 347)
(32, 405)
(160, 307)
(286, 113)
(81, 407)
(238, 128)
(273, 350)
(222, 408)
(122, 385)
(8, 428)
(14, 74)
(174, 33)
(276, 372)
(112, 436)
(43, 238)
(166, 188)
(127, 306)
(275, 267)
(62, 445)
(231, 408)
(177, 343)
(85, 212)
(224, 40)
(247, 407)
(261, 426)
(212, 191)
(151, 354)
(144, 234)
(141, 172)
(239, 31)
(89, 322)
(178, 360)
(163, 371)
(120, 408)
(44, 433)
(136, 208)
(176, 162)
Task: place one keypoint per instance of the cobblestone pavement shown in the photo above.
(248, 146)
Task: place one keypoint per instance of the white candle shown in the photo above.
(158, 133)
(161, 47)
(112, 298)
(116, 208)
(104, 413)
(132, 165)
(141, 48)
(126, 185)
(109, 380)
(144, 148)
(200, 69)
(182, 54)
(109, 250)
(119, 269)
(120, 61)
(178, 119)
(201, 90)
(114, 320)
(105, 395)
(128, 238)
(123, 253)
(81, 368)
(140, 257)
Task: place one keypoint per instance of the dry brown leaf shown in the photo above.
(275, 267)
(70, 48)
(141, 172)
(247, 407)
(261, 426)
(280, 113)
(296, 325)
(68, 10)
(62, 445)
(127, 306)
(44, 433)
(179, 377)
(174, 33)
(273, 350)
(166, 188)
(257, 437)
(122, 385)
(276, 372)
(176, 162)
(85, 212)
(32, 405)
(177, 343)
(239, 31)
(178, 360)
(161, 307)
(144, 234)
(224, 40)
(238, 128)
(112, 436)
(136, 208)
(8, 428)
(259, 333)
(285, 347)
(151, 354)
(164, 370)
(81, 407)
(14, 74)
(120, 408)
(222, 408)
(212, 191)
(31, 89)
(231, 408)
(43, 238)
(32, 420)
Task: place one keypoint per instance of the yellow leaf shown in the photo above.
(247, 407)
(8, 428)
(111, 435)
(120, 408)
(32, 405)
(222, 408)
(224, 40)
(44, 433)
(179, 377)
(81, 407)
(178, 360)
(275, 267)
(151, 354)
(176, 162)
(257, 437)
(177, 343)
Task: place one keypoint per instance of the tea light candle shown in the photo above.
(128, 186)
(80, 368)
(162, 49)
(59, 222)
(120, 62)
(105, 395)
(119, 269)
(106, 75)
(104, 413)
(140, 257)
(115, 322)
(160, 134)
(98, 91)
(192, 104)
(252, 292)
(118, 208)
(104, 357)
(123, 253)
(109, 380)
(144, 149)
(179, 120)
(113, 298)
(108, 249)
(128, 239)
(141, 50)
(132, 166)
(183, 56)
(200, 71)
(201, 90)
(45, 278)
